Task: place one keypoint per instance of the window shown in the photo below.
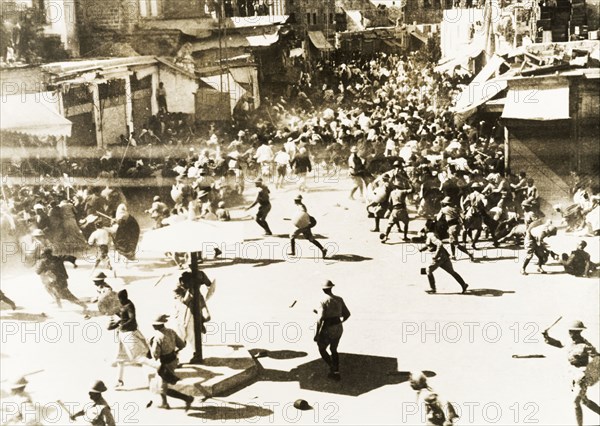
(150, 8)
(314, 18)
(308, 18)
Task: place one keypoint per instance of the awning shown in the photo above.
(296, 52)
(471, 51)
(319, 40)
(236, 41)
(33, 114)
(422, 38)
(244, 75)
(541, 104)
(256, 21)
(226, 83)
(263, 40)
(481, 89)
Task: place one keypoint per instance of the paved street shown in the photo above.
(264, 301)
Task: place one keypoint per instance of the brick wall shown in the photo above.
(173, 9)
(416, 11)
(111, 15)
(158, 43)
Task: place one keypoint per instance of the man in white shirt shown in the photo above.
(290, 148)
(101, 239)
(282, 161)
(264, 157)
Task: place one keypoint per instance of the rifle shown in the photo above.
(112, 219)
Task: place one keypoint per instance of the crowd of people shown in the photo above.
(386, 119)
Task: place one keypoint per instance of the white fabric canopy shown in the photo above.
(33, 114)
(541, 104)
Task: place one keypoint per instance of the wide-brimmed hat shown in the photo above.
(156, 198)
(38, 207)
(161, 320)
(577, 325)
(100, 276)
(98, 387)
(258, 180)
(432, 397)
(298, 197)
(38, 233)
(21, 382)
(328, 284)
(447, 200)
(202, 194)
(301, 404)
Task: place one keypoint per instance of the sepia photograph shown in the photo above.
(300, 212)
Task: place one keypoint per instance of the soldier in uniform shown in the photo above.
(98, 414)
(304, 224)
(264, 206)
(399, 212)
(164, 346)
(20, 399)
(583, 358)
(451, 214)
(332, 312)
(441, 259)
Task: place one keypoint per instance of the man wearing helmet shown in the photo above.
(584, 358)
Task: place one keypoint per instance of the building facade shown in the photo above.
(312, 15)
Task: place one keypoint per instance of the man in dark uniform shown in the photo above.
(441, 259)
(264, 206)
(304, 224)
(451, 214)
(399, 212)
(332, 312)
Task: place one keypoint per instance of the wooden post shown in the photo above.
(97, 113)
(196, 313)
(507, 152)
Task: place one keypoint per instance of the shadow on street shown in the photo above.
(360, 374)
